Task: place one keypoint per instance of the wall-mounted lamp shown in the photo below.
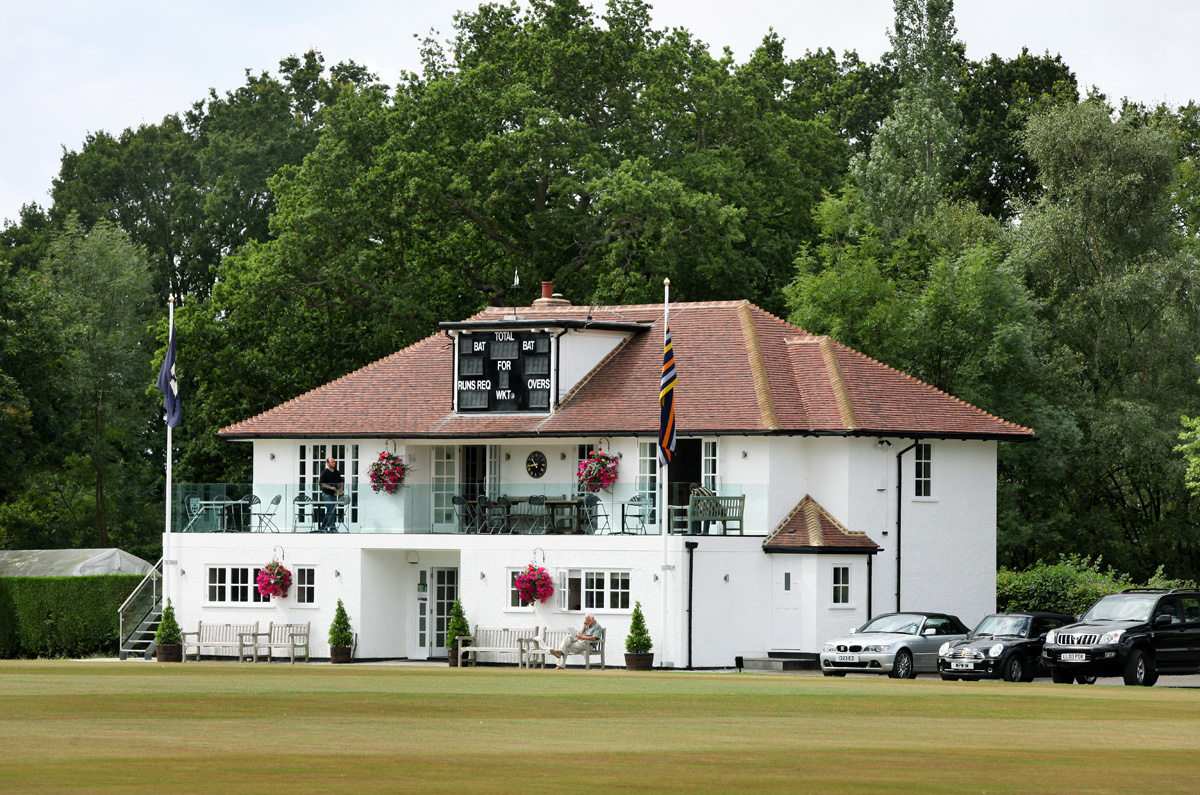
(743, 454)
(412, 556)
(272, 456)
(562, 456)
(508, 456)
(620, 455)
(182, 572)
(482, 576)
(656, 578)
(726, 578)
(337, 573)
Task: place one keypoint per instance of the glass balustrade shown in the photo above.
(527, 508)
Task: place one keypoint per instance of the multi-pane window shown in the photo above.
(924, 470)
(514, 598)
(647, 477)
(306, 585)
(593, 589)
(841, 585)
(234, 585)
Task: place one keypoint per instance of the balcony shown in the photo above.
(549, 508)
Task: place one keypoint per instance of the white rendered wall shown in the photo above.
(580, 351)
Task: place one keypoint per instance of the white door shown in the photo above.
(445, 591)
(445, 486)
(785, 603)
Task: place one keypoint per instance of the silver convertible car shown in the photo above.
(900, 645)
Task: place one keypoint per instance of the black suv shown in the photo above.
(1138, 633)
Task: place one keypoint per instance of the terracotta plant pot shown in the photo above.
(452, 657)
(169, 652)
(339, 654)
(639, 662)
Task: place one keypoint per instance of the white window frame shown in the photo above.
(923, 471)
(710, 475)
(615, 585)
(647, 480)
(513, 605)
(841, 592)
(299, 586)
(242, 577)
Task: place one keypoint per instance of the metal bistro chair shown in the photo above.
(225, 511)
(593, 512)
(538, 517)
(305, 511)
(191, 504)
(341, 513)
(635, 513)
(266, 518)
(468, 520)
(504, 514)
(483, 509)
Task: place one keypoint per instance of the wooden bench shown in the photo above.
(706, 509)
(290, 638)
(536, 650)
(496, 641)
(220, 636)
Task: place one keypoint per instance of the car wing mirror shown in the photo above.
(929, 631)
(1162, 620)
(853, 630)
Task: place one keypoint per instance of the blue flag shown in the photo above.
(169, 386)
(666, 402)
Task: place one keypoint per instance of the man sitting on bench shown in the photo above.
(578, 644)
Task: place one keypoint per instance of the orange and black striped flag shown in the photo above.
(666, 402)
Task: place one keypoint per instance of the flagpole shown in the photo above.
(663, 519)
(170, 450)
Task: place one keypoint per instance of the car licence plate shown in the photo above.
(1074, 656)
(963, 666)
(846, 658)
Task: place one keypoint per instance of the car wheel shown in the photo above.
(1014, 669)
(834, 673)
(1061, 677)
(1139, 669)
(902, 666)
(1085, 680)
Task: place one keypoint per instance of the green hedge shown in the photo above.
(1071, 585)
(62, 616)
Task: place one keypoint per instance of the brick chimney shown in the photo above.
(549, 297)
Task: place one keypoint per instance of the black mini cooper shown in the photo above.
(1004, 646)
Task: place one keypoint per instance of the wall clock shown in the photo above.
(535, 465)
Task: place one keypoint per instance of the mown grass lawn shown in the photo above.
(225, 727)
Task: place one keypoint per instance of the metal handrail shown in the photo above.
(153, 576)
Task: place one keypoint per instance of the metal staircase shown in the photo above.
(139, 615)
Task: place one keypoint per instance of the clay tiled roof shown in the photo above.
(741, 371)
(810, 529)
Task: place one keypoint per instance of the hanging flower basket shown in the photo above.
(388, 473)
(274, 580)
(597, 471)
(534, 583)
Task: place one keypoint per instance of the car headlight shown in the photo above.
(1112, 637)
(996, 650)
(877, 649)
(944, 649)
(830, 647)
(1052, 636)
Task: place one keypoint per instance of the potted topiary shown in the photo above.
(341, 636)
(457, 628)
(638, 656)
(168, 639)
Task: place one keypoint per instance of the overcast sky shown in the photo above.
(79, 66)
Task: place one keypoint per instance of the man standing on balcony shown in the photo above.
(331, 489)
(579, 644)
